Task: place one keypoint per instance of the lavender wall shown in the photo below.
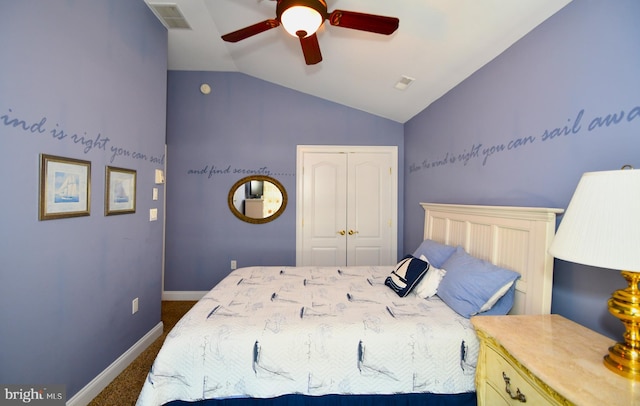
(565, 99)
(77, 79)
(521, 131)
(244, 125)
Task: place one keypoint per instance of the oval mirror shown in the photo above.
(257, 199)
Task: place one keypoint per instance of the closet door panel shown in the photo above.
(324, 217)
(369, 209)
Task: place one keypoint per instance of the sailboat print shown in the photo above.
(67, 188)
(120, 192)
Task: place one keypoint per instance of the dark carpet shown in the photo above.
(124, 390)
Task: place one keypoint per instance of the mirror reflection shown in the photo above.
(257, 199)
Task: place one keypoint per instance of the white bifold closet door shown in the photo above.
(347, 206)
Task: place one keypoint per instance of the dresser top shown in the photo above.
(565, 355)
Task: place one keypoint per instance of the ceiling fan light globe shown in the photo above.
(301, 18)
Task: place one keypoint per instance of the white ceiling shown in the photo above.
(439, 43)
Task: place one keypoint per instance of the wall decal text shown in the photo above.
(483, 152)
(211, 170)
(86, 142)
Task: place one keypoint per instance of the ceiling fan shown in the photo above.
(302, 18)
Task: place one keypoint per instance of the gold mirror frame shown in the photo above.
(252, 220)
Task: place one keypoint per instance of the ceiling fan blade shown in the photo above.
(250, 31)
(311, 49)
(364, 22)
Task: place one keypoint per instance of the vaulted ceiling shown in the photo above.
(439, 43)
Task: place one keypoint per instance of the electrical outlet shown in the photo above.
(134, 306)
(234, 264)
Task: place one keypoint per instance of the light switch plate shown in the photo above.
(155, 193)
(153, 214)
(159, 176)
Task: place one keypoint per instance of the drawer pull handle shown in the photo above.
(519, 395)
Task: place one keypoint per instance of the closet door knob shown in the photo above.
(341, 232)
(351, 232)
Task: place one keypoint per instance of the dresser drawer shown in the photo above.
(493, 397)
(552, 360)
(502, 376)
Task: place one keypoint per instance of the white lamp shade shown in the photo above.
(301, 18)
(601, 226)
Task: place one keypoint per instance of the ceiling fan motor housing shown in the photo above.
(319, 5)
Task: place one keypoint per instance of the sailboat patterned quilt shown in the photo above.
(268, 331)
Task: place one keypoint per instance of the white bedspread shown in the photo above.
(268, 331)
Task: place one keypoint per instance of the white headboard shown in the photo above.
(515, 238)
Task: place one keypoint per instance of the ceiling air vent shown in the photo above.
(404, 82)
(170, 15)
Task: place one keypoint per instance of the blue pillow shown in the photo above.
(406, 275)
(435, 252)
(472, 286)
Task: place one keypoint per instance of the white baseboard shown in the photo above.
(179, 295)
(93, 388)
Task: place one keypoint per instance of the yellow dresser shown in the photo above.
(546, 360)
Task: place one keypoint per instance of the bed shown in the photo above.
(361, 335)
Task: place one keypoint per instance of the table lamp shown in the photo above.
(601, 227)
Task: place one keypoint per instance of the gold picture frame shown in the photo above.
(65, 187)
(120, 191)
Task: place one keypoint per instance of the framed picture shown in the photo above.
(65, 187)
(120, 193)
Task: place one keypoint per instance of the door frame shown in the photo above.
(301, 149)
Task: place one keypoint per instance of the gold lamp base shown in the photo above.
(624, 358)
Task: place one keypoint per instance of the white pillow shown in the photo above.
(496, 296)
(428, 286)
